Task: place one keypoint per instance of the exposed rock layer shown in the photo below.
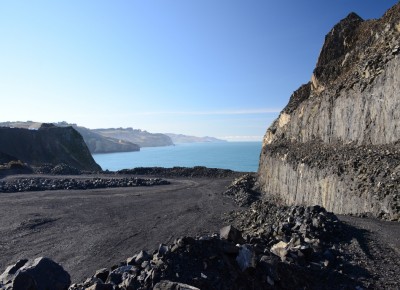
(337, 141)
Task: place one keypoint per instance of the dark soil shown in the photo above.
(85, 230)
(371, 250)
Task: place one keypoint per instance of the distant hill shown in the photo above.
(137, 136)
(47, 145)
(98, 143)
(179, 138)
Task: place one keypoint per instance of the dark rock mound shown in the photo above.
(65, 169)
(49, 144)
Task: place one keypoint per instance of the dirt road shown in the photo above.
(85, 230)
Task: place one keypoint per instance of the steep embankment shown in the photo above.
(48, 145)
(336, 143)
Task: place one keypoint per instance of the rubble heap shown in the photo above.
(243, 190)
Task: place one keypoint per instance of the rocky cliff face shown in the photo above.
(49, 144)
(336, 143)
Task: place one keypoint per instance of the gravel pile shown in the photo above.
(243, 190)
(38, 184)
(296, 234)
(59, 169)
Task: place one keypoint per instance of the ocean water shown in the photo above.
(238, 156)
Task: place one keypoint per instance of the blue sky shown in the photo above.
(222, 68)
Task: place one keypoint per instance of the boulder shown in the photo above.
(102, 274)
(232, 234)
(141, 257)
(162, 250)
(280, 249)
(246, 258)
(38, 274)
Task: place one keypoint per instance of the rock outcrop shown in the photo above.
(336, 143)
(47, 145)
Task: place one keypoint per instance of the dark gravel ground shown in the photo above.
(372, 249)
(85, 230)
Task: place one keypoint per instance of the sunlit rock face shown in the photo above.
(336, 143)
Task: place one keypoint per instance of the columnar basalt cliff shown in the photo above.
(337, 142)
(47, 145)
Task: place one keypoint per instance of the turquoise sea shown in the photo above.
(238, 156)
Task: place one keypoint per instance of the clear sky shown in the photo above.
(222, 68)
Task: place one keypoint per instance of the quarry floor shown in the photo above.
(86, 230)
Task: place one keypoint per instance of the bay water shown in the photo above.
(238, 156)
